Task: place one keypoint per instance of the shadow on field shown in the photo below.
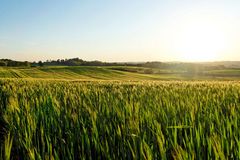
(3, 123)
(2, 130)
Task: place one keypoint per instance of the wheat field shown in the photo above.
(46, 119)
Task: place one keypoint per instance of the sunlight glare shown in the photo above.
(200, 41)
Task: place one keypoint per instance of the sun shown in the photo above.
(201, 41)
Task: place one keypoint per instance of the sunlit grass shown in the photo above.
(48, 119)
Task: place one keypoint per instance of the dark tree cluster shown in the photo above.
(11, 63)
(80, 62)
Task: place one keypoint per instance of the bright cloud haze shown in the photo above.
(107, 30)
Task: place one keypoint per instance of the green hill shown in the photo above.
(115, 73)
(75, 73)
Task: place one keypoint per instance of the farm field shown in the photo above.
(119, 80)
(80, 73)
(115, 73)
(49, 119)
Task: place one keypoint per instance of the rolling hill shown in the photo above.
(115, 73)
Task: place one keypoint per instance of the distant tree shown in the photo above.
(40, 63)
(2, 63)
(27, 64)
(12, 63)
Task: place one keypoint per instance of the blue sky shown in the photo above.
(107, 30)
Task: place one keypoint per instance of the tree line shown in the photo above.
(12, 63)
(80, 62)
(77, 62)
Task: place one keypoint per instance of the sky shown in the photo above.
(120, 31)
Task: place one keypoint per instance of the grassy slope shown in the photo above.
(73, 73)
(112, 73)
